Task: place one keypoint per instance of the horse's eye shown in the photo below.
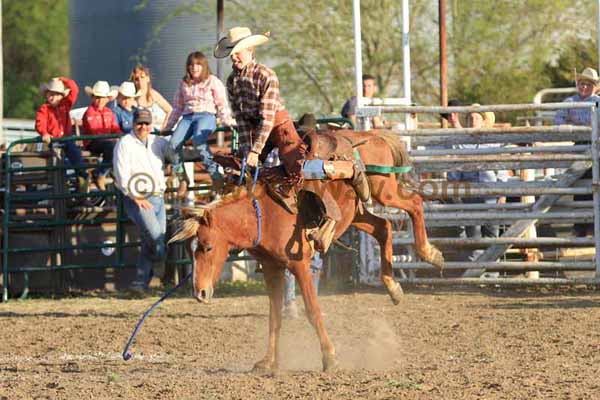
(205, 247)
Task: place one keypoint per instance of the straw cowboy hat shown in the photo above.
(54, 85)
(489, 118)
(588, 74)
(238, 38)
(127, 89)
(100, 89)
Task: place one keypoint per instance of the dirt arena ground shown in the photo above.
(437, 344)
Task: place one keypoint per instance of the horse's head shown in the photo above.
(208, 249)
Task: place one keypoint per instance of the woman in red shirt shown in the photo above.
(100, 120)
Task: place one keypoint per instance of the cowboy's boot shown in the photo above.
(349, 170)
(182, 189)
(324, 235)
(101, 182)
(82, 184)
(218, 182)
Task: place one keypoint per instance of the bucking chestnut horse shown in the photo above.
(252, 220)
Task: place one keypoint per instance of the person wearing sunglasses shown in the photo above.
(138, 165)
(586, 83)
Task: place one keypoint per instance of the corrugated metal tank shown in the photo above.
(108, 37)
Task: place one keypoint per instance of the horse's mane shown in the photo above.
(191, 218)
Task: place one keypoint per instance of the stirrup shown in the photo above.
(323, 237)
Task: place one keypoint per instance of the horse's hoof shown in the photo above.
(396, 293)
(433, 256)
(264, 366)
(330, 363)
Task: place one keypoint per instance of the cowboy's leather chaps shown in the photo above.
(292, 150)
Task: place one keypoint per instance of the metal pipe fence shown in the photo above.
(514, 148)
(60, 221)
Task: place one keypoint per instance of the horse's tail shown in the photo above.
(398, 148)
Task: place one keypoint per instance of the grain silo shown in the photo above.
(109, 36)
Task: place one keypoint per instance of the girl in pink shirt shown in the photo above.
(199, 100)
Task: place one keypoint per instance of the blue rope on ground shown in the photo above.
(126, 353)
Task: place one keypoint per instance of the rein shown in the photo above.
(254, 200)
(126, 353)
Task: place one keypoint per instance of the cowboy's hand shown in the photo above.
(252, 160)
(46, 138)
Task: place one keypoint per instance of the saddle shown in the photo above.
(286, 191)
(328, 146)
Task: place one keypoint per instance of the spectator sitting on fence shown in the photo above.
(475, 120)
(150, 97)
(52, 121)
(100, 120)
(139, 166)
(124, 105)
(587, 83)
(200, 98)
(370, 89)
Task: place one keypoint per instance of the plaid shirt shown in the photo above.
(254, 96)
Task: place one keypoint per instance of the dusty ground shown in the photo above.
(484, 344)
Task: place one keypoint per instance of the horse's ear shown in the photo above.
(207, 218)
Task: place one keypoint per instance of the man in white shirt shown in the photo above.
(138, 165)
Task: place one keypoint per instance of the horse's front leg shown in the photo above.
(274, 281)
(313, 313)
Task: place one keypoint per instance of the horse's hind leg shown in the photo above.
(274, 280)
(301, 271)
(387, 192)
(381, 229)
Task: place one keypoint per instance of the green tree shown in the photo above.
(577, 54)
(36, 48)
(498, 51)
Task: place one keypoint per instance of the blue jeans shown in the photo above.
(316, 265)
(152, 225)
(104, 147)
(73, 156)
(199, 126)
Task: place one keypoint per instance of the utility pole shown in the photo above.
(220, 28)
(443, 58)
(2, 141)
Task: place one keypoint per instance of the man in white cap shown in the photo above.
(587, 83)
(262, 120)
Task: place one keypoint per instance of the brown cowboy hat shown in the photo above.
(238, 38)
